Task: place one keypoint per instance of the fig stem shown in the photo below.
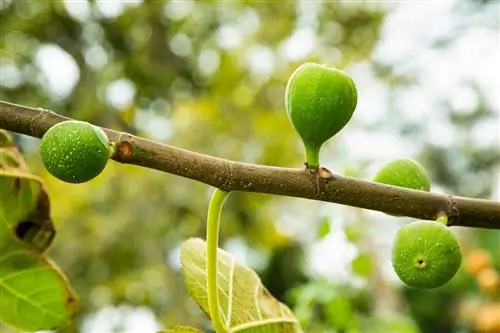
(312, 157)
(442, 218)
(112, 149)
(213, 222)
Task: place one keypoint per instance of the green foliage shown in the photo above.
(321, 305)
(75, 151)
(324, 228)
(35, 294)
(362, 265)
(426, 254)
(393, 323)
(181, 329)
(319, 101)
(245, 304)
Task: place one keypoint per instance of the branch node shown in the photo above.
(124, 151)
(323, 177)
(453, 211)
(325, 174)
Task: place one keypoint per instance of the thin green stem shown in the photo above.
(312, 156)
(213, 221)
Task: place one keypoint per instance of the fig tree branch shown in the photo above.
(320, 185)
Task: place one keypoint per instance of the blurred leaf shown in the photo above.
(340, 314)
(25, 201)
(362, 265)
(284, 269)
(392, 323)
(35, 295)
(182, 329)
(307, 297)
(354, 232)
(246, 304)
(324, 228)
(128, 114)
(26, 211)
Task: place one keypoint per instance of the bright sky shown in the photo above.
(409, 30)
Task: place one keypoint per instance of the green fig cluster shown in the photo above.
(75, 151)
(320, 101)
(405, 173)
(426, 254)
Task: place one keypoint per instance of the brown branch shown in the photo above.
(235, 176)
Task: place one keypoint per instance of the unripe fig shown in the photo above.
(425, 254)
(404, 173)
(75, 151)
(320, 101)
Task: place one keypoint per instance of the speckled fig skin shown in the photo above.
(404, 173)
(75, 151)
(320, 101)
(425, 254)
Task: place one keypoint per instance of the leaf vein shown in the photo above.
(19, 297)
(278, 320)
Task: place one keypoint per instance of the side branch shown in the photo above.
(302, 183)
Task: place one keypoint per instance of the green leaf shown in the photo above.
(392, 322)
(25, 211)
(246, 305)
(340, 313)
(362, 265)
(324, 228)
(24, 202)
(353, 232)
(182, 329)
(34, 294)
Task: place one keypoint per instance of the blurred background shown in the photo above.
(210, 76)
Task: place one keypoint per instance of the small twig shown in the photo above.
(235, 176)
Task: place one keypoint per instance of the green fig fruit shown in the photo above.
(75, 151)
(320, 101)
(404, 173)
(426, 254)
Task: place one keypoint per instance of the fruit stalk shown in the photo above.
(442, 218)
(312, 157)
(213, 222)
